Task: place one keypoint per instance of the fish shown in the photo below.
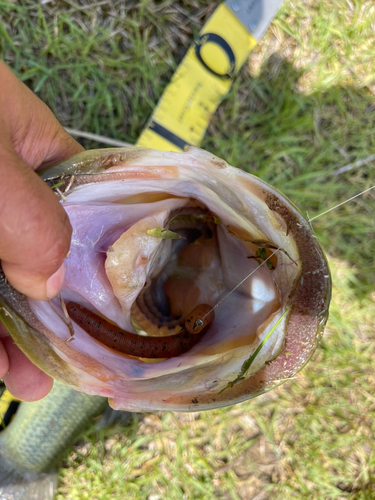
(32, 446)
(163, 244)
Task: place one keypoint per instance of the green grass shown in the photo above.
(300, 109)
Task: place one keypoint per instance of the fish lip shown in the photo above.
(312, 293)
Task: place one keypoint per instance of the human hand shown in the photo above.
(34, 229)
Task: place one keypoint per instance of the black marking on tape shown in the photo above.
(168, 135)
(218, 40)
(12, 408)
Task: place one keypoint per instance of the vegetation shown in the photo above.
(300, 110)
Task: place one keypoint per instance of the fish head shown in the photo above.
(156, 236)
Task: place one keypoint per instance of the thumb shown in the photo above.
(34, 230)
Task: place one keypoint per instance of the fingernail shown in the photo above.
(55, 282)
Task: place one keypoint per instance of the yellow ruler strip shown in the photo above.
(206, 73)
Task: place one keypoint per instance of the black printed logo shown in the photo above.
(218, 40)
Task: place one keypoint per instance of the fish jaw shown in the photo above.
(109, 196)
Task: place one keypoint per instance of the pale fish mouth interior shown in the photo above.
(202, 267)
(199, 269)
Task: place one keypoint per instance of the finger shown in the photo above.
(24, 380)
(35, 230)
(36, 135)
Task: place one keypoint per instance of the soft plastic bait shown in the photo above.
(144, 347)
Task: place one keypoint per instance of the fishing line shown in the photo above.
(242, 281)
(342, 203)
(198, 320)
(260, 265)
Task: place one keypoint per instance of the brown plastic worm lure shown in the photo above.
(136, 345)
(199, 318)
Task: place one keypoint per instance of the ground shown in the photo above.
(300, 110)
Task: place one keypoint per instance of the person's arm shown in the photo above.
(34, 229)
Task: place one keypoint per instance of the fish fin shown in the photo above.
(16, 484)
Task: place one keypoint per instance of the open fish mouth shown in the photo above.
(160, 240)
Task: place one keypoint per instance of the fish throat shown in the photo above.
(189, 278)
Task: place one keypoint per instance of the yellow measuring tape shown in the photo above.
(201, 81)
(206, 73)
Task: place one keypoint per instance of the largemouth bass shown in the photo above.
(35, 441)
(157, 236)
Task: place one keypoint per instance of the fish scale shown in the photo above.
(39, 434)
(33, 451)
